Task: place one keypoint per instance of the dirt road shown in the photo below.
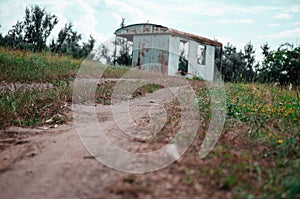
(53, 163)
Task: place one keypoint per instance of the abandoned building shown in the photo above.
(171, 52)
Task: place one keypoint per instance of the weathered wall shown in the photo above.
(173, 55)
(205, 71)
(151, 52)
(160, 53)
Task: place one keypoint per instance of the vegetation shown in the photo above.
(272, 116)
(27, 67)
(258, 153)
(281, 65)
(32, 34)
(35, 107)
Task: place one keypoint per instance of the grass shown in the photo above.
(272, 117)
(35, 107)
(257, 156)
(28, 67)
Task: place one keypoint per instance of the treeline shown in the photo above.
(281, 65)
(33, 31)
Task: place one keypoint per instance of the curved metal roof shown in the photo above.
(147, 28)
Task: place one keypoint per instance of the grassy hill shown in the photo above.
(36, 89)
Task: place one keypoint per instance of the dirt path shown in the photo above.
(54, 163)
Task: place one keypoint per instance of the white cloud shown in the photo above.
(293, 33)
(282, 16)
(236, 21)
(10, 13)
(88, 22)
(294, 9)
(273, 25)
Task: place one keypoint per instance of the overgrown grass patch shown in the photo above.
(35, 107)
(28, 67)
(272, 113)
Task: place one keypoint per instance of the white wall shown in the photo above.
(204, 71)
(165, 49)
(173, 55)
(152, 52)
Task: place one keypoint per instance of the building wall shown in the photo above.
(160, 53)
(204, 71)
(151, 52)
(173, 55)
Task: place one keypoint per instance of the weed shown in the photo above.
(34, 107)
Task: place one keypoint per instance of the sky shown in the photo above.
(234, 21)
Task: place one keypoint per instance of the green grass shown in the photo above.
(35, 107)
(28, 67)
(264, 163)
(266, 166)
(272, 114)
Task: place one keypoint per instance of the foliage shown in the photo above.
(272, 115)
(68, 43)
(38, 25)
(35, 106)
(124, 57)
(249, 59)
(281, 65)
(32, 34)
(233, 64)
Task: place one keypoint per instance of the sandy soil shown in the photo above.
(53, 162)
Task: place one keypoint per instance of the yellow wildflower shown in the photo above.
(244, 105)
(233, 101)
(280, 141)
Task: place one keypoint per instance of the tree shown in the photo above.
(233, 64)
(37, 26)
(249, 59)
(124, 57)
(265, 48)
(103, 53)
(32, 33)
(14, 37)
(282, 65)
(68, 43)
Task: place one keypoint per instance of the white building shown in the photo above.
(158, 48)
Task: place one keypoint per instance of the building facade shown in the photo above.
(164, 50)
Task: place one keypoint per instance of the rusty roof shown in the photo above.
(146, 29)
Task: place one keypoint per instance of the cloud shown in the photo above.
(88, 22)
(273, 25)
(236, 21)
(292, 33)
(294, 9)
(10, 13)
(282, 16)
